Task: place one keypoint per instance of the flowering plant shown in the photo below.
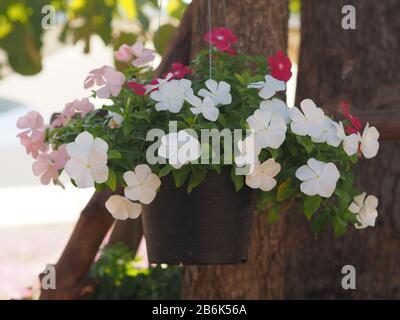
(152, 127)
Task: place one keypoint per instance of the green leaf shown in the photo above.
(181, 175)
(319, 223)
(306, 143)
(274, 152)
(113, 109)
(145, 115)
(198, 174)
(343, 195)
(112, 180)
(311, 205)
(339, 225)
(114, 154)
(238, 180)
(165, 171)
(285, 190)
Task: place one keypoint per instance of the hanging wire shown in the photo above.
(157, 35)
(225, 18)
(209, 38)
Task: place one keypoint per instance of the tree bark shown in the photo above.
(261, 27)
(363, 65)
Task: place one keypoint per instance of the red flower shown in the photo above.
(139, 88)
(356, 124)
(179, 70)
(222, 38)
(280, 66)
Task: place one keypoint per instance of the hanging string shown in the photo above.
(225, 18)
(209, 38)
(157, 38)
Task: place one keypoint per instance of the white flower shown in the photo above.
(218, 92)
(329, 133)
(179, 148)
(365, 208)
(350, 142)
(142, 184)
(277, 106)
(88, 163)
(122, 209)
(369, 144)
(268, 87)
(310, 123)
(318, 178)
(159, 82)
(269, 128)
(249, 152)
(263, 175)
(206, 107)
(171, 95)
(116, 120)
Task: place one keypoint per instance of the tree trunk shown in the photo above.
(261, 27)
(363, 65)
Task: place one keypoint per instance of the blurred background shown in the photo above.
(42, 68)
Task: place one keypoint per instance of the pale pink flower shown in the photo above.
(83, 106)
(124, 53)
(111, 80)
(142, 54)
(59, 121)
(48, 165)
(32, 121)
(34, 143)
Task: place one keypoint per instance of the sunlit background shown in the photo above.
(42, 70)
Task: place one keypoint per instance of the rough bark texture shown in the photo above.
(363, 65)
(261, 26)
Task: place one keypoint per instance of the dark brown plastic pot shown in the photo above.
(211, 225)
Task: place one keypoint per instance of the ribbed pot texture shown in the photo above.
(211, 225)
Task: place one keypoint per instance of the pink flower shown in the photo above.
(59, 121)
(179, 70)
(222, 38)
(48, 165)
(356, 124)
(34, 143)
(139, 88)
(280, 66)
(83, 106)
(106, 76)
(142, 54)
(124, 53)
(32, 121)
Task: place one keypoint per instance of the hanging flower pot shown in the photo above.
(193, 154)
(210, 225)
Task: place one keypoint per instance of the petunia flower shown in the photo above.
(110, 79)
(206, 107)
(59, 121)
(156, 83)
(142, 184)
(179, 70)
(121, 208)
(171, 95)
(47, 165)
(34, 143)
(318, 178)
(83, 107)
(269, 128)
(350, 142)
(138, 88)
(88, 163)
(179, 148)
(263, 175)
(269, 87)
(32, 121)
(310, 122)
(329, 133)
(277, 106)
(365, 209)
(248, 152)
(124, 53)
(142, 54)
(115, 121)
(369, 144)
(280, 66)
(218, 92)
(222, 38)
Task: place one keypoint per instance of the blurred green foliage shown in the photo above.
(21, 31)
(117, 277)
